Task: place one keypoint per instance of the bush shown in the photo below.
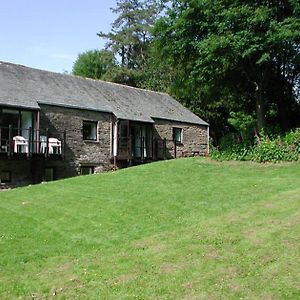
(235, 152)
(267, 149)
(292, 138)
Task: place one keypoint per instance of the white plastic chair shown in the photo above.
(20, 144)
(43, 144)
(54, 146)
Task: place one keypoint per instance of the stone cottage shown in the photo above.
(55, 126)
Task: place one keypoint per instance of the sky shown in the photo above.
(49, 34)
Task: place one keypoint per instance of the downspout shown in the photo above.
(115, 143)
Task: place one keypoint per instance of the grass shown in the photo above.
(181, 229)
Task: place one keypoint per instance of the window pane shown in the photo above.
(26, 123)
(87, 170)
(5, 176)
(89, 130)
(49, 174)
(9, 117)
(177, 134)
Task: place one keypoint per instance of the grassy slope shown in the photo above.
(181, 229)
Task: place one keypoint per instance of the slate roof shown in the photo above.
(27, 88)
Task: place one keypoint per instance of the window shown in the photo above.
(20, 120)
(89, 131)
(5, 177)
(49, 174)
(177, 135)
(8, 118)
(86, 170)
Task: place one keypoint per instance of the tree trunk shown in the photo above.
(123, 56)
(260, 109)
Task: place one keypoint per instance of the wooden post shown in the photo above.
(142, 148)
(10, 145)
(37, 142)
(30, 140)
(64, 145)
(37, 126)
(47, 143)
(165, 148)
(19, 122)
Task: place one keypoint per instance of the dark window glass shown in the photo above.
(177, 135)
(49, 174)
(87, 170)
(5, 176)
(89, 131)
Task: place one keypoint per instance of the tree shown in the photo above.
(122, 75)
(233, 55)
(94, 64)
(130, 35)
(127, 49)
(157, 74)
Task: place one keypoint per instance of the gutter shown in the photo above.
(75, 107)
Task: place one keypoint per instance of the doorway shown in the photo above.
(141, 134)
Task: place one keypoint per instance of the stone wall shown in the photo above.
(194, 138)
(78, 152)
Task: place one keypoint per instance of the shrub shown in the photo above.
(292, 138)
(268, 149)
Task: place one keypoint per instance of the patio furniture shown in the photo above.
(43, 144)
(54, 145)
(20, 144)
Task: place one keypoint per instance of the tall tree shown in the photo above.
(234, 54)
(130, 35)
(128, 42)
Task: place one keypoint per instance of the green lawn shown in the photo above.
(181, 229)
